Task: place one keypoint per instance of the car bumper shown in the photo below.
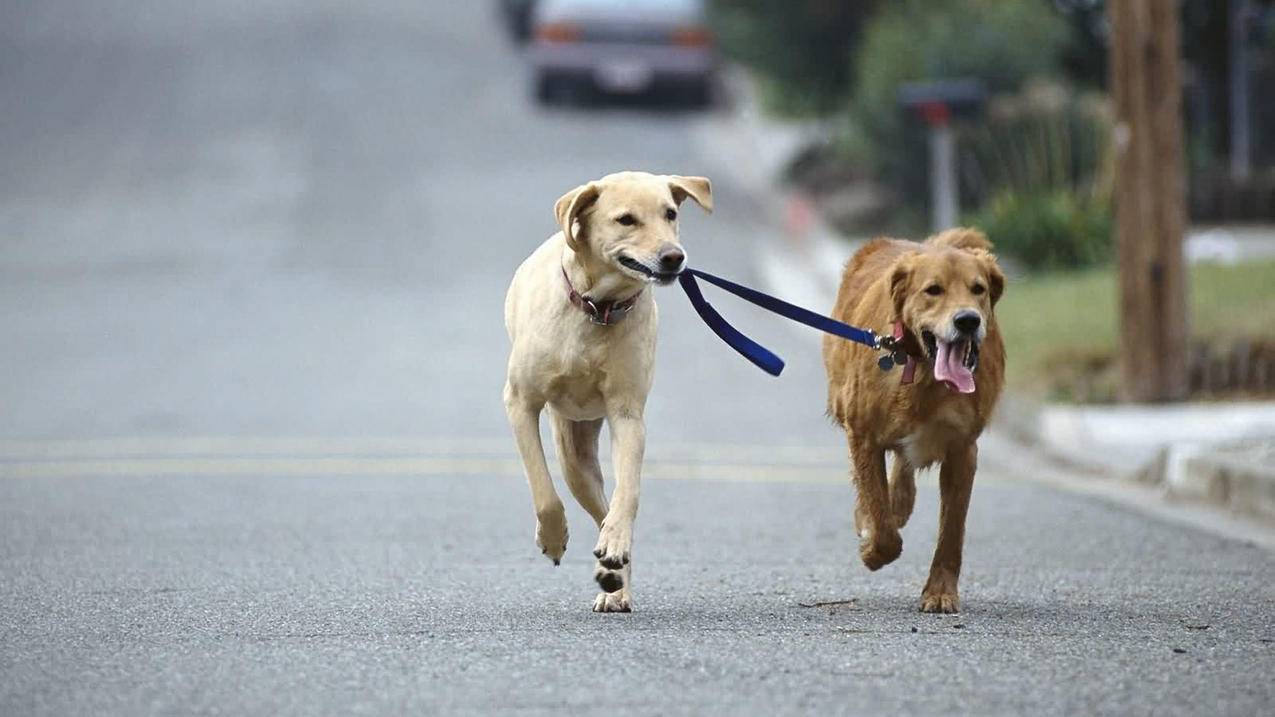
(624, 68)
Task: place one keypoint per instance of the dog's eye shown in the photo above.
(978, 289)
(626, 220)
(670, 214)
(934, 290)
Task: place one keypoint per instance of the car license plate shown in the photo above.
(624, 76)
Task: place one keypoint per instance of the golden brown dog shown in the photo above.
(940, 294)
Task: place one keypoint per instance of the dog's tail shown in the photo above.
(961, 238)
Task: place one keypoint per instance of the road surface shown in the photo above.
(253, 458)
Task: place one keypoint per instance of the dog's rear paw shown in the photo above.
(879, 549)
(613, 602)
(551, 533)
(947, 603)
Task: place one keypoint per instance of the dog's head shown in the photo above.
(628, 220)
(945, 295)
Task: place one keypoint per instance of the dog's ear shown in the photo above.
(995, 279)
(697, 188)
(962, 238)
(568, 207)
(900, 282)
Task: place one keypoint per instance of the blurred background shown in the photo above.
(1035, 163)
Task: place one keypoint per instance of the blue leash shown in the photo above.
(762, 357)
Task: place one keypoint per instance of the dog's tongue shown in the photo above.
(949, 367)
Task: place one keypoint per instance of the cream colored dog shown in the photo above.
(582, 324)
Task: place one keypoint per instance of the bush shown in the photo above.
(1048, 229)
(1040, 166)
(1000, 42)
(1044, 138)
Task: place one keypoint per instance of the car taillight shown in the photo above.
(558, 32)
(692, 37)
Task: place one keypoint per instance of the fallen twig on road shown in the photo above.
(826, 603)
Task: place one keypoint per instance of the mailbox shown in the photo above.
(937, 103)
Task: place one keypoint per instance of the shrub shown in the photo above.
(1048, 229)
(1044, 138)
(1040, 166)
(1001, 42)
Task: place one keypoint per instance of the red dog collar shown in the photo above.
(909, 368)
(603, 313)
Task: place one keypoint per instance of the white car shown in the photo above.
(622, 47)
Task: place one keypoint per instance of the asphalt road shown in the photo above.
(253, 458)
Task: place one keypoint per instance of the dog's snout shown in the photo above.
(967, 322)
(671, 258)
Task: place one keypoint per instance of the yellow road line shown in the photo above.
(244, 446)
(376, 466)
(402, 446)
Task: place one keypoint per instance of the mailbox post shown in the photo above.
(936, 104)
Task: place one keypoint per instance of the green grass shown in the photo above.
(1065, 322)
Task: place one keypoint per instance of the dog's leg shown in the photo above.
(578, 452)
(879, 540)
(902, 490)
(551, 519)
(615, 540)
(577, 443)
(956, 481)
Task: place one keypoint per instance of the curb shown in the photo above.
(1240, 477)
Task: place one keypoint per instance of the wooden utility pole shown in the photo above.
(1149, 198)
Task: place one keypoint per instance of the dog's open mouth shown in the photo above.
(663, 278)
(954, 361)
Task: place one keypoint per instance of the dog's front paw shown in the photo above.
(880, 548)
(613, 546)
(551, 532)
(940, 602)
(618, 601)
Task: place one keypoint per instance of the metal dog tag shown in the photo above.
(900, 356)
(885, 363)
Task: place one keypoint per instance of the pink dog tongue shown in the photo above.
(949, 367)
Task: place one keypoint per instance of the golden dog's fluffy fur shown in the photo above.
(943, 291)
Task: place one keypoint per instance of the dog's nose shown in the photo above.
(967, 322)
(671, 259)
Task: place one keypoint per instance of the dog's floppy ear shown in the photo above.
(995, 279)
(697, 188)
(900, 281)
(568, 208)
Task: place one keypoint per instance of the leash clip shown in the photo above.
(886, 344)
(893, 346)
